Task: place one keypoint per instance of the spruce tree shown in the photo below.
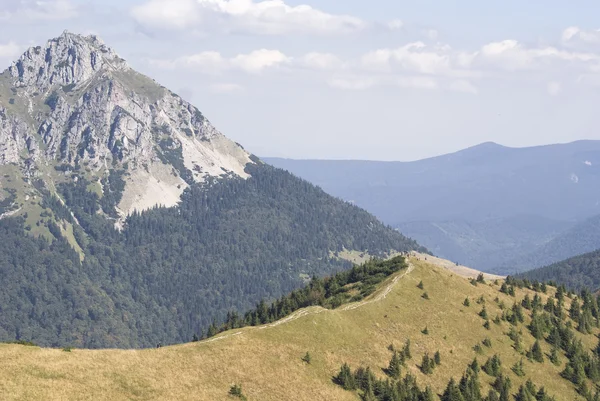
(427, 364)
(406, 350)
(426, 395)
(345, 378)
(493, 366)
(536, 352)
(519, 369)
(554, 357)
(452, 392)
(575, 310)
(437, 358)
(394, 367)
(492, 396)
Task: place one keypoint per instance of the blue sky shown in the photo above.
(387, 80)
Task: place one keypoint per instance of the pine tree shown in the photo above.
(483, 314)
(502, 385)
(345, 378)
(537, 353)
(236, 391)
(467, 302)
(437, 358)
(524, 395)
(406, 350)
(493, 366)
(492, 396)
(427, 364)
(394, 367)
(452, 392)
(306, 358)
(526, 303)
(575, 310)
(469, 386)
(474, 366)
(425, 331)
(425, 296)
(518, 368)
(421, 285)
(554, 357)
(426, 395)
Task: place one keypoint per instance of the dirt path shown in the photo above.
(462, 271)
(315, 310)
(9, 214)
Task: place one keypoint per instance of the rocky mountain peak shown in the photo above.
(69, 59)
(75, 105)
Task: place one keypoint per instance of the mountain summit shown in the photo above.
(127, 219)
(75, 102)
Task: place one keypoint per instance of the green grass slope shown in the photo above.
(267, 360)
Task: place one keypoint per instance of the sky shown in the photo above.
(331, 79)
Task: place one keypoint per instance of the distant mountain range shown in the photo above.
(490, 206)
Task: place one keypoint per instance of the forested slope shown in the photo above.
(171, 272)
(577, 272)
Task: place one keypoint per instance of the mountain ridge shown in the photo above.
(468, 191)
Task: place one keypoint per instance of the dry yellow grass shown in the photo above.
(267, 361)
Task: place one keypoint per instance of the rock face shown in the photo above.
(75, 102)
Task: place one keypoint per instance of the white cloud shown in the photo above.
(512, 55)
(259, 60)
(267, 17)
(322, 61)
(573, 36)
(418, 58)
(554, 88)
(17, 11)
(211, 62)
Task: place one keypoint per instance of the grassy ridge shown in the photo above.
(266, 360)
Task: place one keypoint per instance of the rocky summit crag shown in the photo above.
(75, 102)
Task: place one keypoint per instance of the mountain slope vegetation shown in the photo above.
(582, 271)
(301, 356)
(128, 220)
(171, 272)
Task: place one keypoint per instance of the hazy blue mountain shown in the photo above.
(486, 244)
(560, 182)
(582, 238)
(487, 206)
